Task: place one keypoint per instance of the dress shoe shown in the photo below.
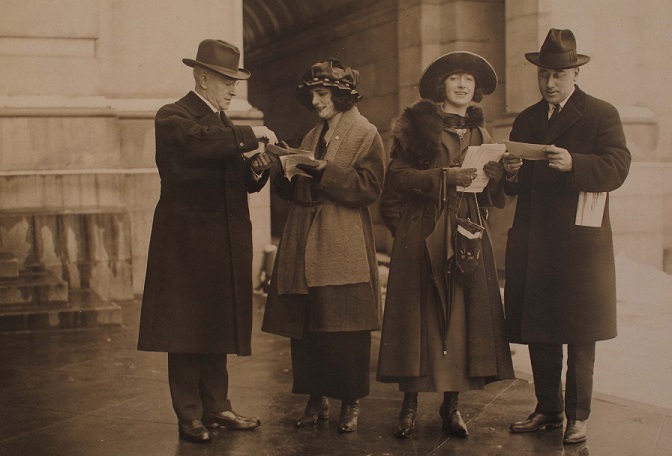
(576, 432)
(453, 423)
(537, 421)
(230, 420)
(349, 414)
(317, 409)
(193, 431)
(406, 422)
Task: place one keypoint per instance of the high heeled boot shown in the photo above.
(317, 409)
(451, 417)
(406, 422)
(349, 415)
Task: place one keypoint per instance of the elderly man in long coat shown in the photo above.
(197, 302)
(560, 279)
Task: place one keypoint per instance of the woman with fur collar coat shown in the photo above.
(470, 349)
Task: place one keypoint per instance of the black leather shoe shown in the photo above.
(576, 432)
(193, 431)
(230, 420)
(537, 421)
(349, 415)
(317, 409)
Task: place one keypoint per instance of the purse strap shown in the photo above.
(478, 208)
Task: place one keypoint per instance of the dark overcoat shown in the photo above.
(560, 277)
(409, 207)
(198, 288)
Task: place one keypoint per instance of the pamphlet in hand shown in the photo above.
(290, 157)
(526, 150)
(477, 157)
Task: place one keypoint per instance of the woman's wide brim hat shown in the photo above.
(220, 57)
(558, 52)
(457, 62)
(328, 73)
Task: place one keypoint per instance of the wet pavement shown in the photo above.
(91, 393)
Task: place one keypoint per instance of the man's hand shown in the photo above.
(511, 164)
(462, 177)
(494, 170)
(315, 170)
(559, 158)
(262, 162)
(265, 134)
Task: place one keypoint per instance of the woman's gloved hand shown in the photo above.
(462, 177)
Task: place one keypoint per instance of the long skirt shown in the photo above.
(450, 371)
(333, 364)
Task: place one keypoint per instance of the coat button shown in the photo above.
(242, 144)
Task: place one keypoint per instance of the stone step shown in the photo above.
(83, 309)
(32, 287)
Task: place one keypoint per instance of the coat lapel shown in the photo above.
(200, 110)
(539, 124)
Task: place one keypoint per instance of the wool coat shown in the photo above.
(327, 242)
(560, 277)
(198, 288)
(409, 207)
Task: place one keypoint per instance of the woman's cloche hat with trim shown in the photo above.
(457, 62)
(220, 57)
(328, 73)
(558, 52)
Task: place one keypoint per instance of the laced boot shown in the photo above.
(406, 422)
(317, 409)
(452, 419)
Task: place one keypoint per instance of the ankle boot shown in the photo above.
(317, 409)
(349, 415)
(406, 422)
(452, 419)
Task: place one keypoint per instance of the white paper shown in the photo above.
(526, 150)
(590, 209)
(477, 157)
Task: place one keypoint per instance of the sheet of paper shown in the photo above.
(477, 157)
(590, 209)
(282, 151)
(526, 150)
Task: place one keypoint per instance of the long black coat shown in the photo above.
(198, 288)
(560, 279)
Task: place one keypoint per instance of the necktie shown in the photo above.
(321, 148)
(554, 114)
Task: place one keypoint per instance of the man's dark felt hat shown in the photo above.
(220, 57)
(558, 52)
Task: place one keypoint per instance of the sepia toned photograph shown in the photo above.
(335, 227)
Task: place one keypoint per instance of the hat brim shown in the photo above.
(483, 72)
(303, 91)
(533, 57)
(241, 73)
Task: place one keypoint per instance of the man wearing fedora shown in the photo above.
(197, 302)
(560, 280)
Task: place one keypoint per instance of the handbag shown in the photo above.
(468, 244)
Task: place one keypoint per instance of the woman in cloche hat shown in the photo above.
(324, 294)
(443, 329)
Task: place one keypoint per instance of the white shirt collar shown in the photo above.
(562, 103)
(215, 110)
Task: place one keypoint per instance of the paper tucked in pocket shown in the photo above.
(590, 208)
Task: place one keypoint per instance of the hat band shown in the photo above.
(558, 59)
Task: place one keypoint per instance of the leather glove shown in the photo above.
(316, 170)
(462, 177)
(262, 162)
(494, 170)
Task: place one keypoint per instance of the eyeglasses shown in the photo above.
(231, 82)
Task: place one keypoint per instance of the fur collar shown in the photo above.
(417, 131)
